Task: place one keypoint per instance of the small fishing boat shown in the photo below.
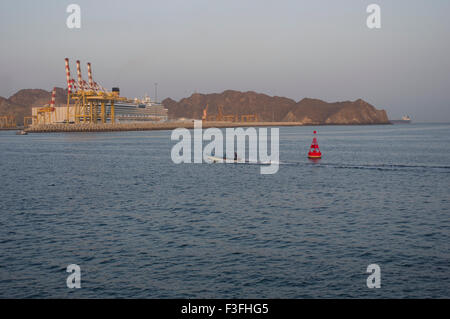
(215, 159)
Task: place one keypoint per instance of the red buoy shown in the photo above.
(314, 150)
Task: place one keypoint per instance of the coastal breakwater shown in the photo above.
(117, 127)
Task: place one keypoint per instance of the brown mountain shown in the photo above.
(267, 108)
(19, 105)
(278, 109)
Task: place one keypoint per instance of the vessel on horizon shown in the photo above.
(405, 120)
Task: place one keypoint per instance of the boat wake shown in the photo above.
(381, 167)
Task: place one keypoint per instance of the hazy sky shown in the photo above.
(321, 49)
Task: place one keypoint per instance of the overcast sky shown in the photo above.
(320, 49)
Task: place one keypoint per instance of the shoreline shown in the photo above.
(123, 127)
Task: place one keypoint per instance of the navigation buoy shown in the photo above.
(314, 150)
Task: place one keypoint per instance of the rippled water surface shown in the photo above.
(140, 226)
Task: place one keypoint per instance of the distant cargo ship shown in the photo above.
(405, 120)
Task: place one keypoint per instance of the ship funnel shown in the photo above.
(116, 91)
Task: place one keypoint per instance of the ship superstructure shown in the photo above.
(140, 110)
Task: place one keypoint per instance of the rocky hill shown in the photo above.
(234, 103)
(277, 109)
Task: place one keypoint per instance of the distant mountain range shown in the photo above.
(267, 108)
(277, 109)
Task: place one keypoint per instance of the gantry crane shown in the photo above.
(89, 98)
(7, 121)
(205, 113)
(219, 117)
(44, 114)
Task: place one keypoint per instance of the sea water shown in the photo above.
(140, 226)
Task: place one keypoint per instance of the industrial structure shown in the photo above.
(220, 117)
(46, 114)
(89, 99)
(90, 103)
(7, 121)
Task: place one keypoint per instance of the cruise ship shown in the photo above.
(405, 120)
(139, 110)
